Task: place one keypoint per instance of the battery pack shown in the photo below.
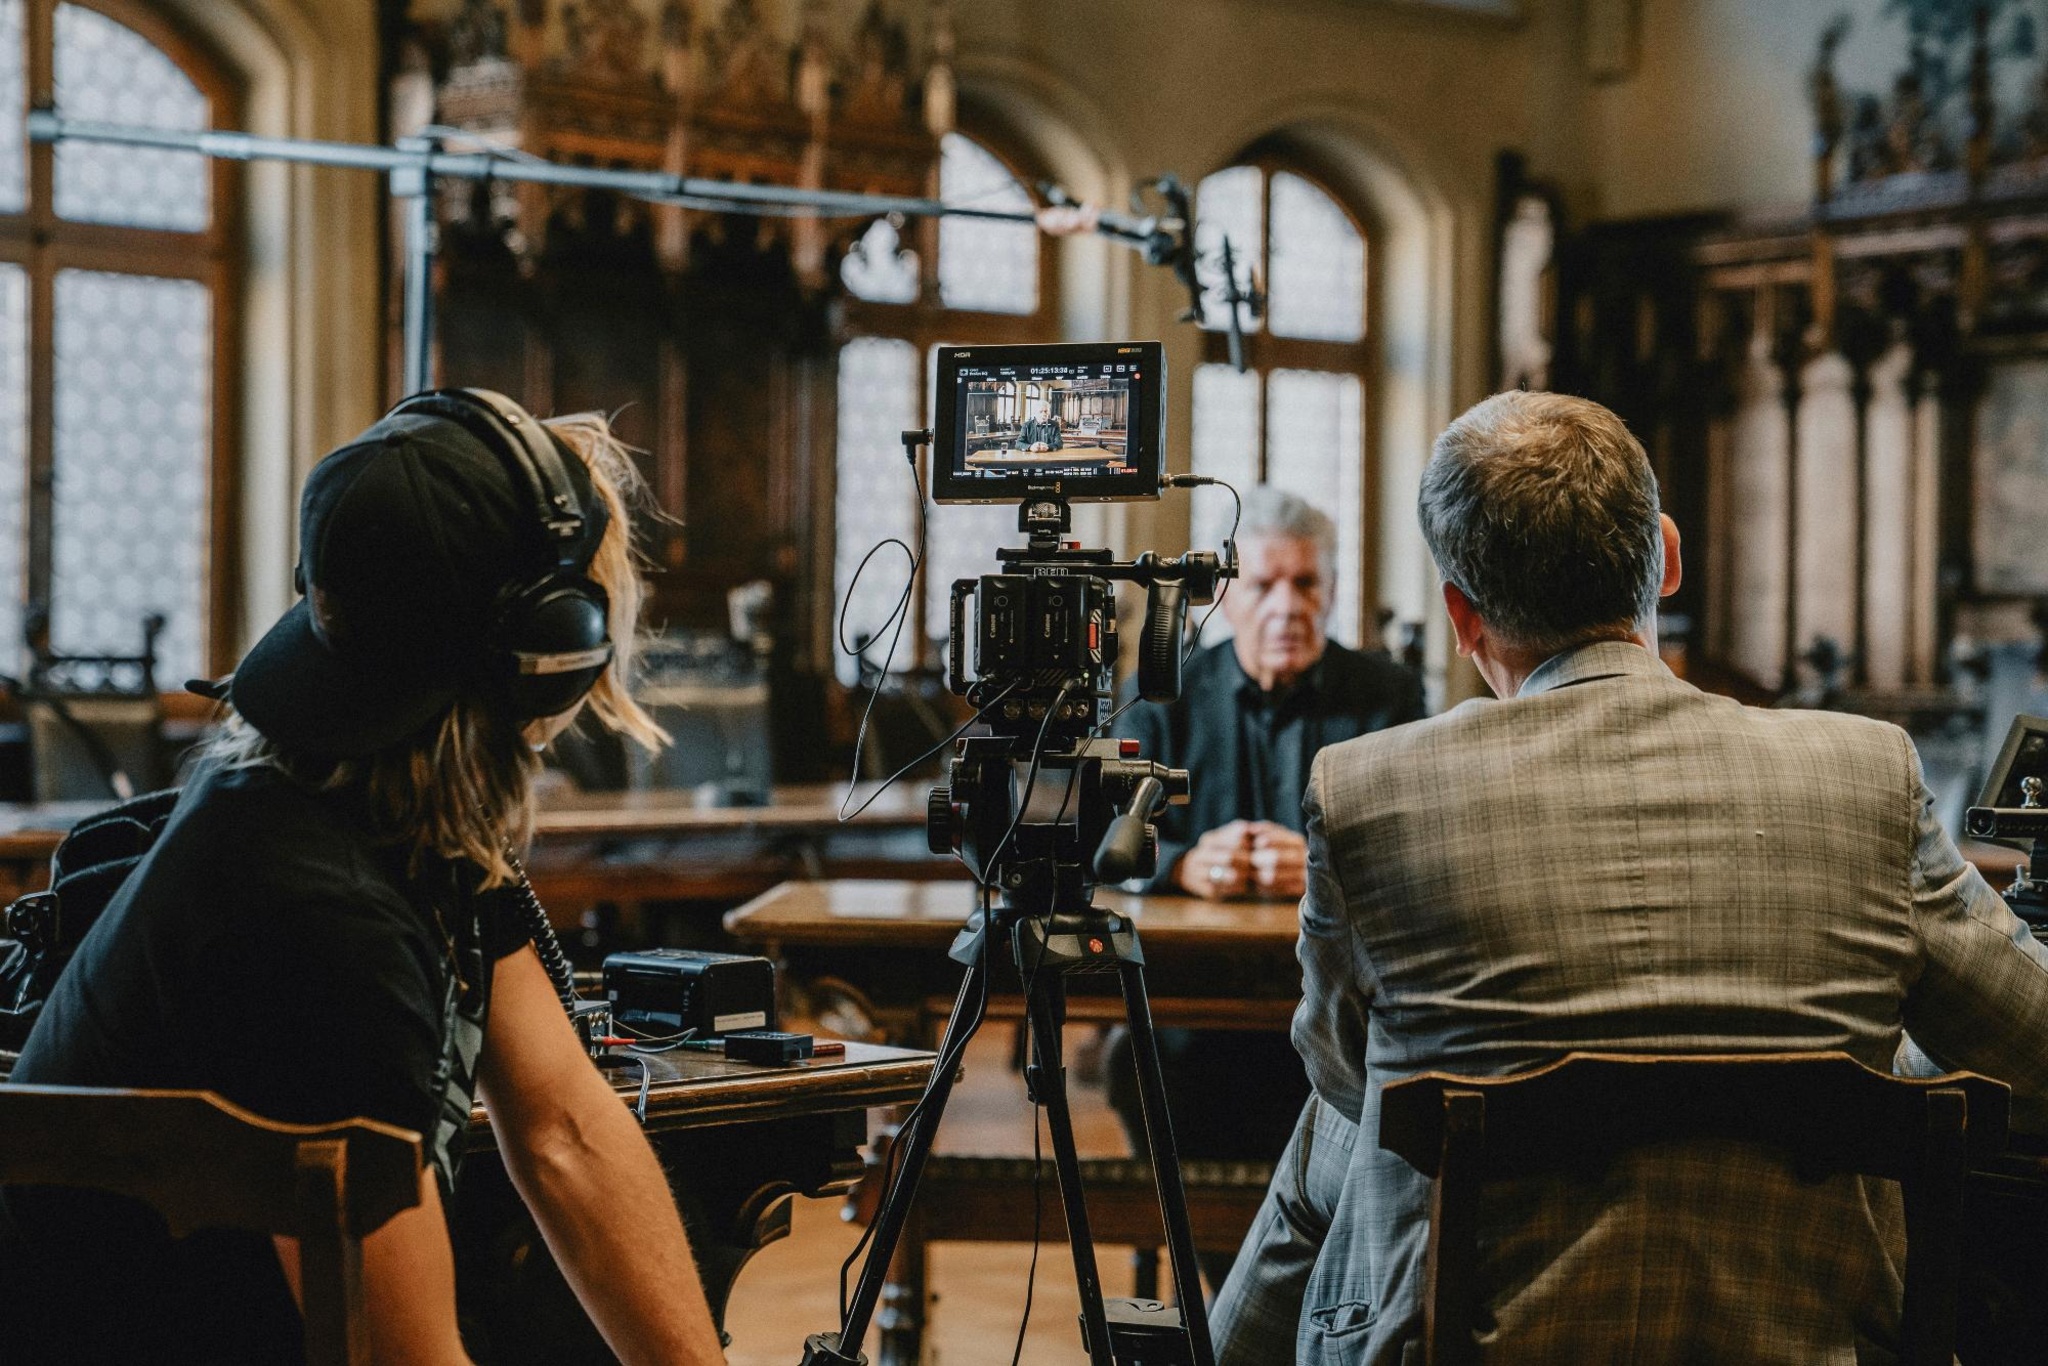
(767, 1046)
(663, 993)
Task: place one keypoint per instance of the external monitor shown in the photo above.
(1085, 422)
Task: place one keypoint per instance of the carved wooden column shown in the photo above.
(1824, 533)
(1760, 456)
(1889, 520)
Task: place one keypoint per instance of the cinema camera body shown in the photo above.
(1034, 645)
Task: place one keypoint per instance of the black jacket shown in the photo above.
(1355, 692)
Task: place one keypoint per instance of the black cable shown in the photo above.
(1037, 1230)
(1030, 782)
(895, 621)
(542, 931)
(890, 781)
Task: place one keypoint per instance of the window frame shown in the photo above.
(927, 322)
(1264, 353)
(42, 243)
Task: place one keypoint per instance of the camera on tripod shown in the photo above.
(1046, 427)
(1042, 807)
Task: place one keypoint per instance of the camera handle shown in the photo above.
(1159, 644)
(1122, 854)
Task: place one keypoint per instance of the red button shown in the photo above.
(1127, 749)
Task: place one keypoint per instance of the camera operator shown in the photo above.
(1252, 715)
(331, 925)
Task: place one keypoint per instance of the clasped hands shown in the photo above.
(1245, 858)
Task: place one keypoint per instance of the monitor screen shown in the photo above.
(1082, 421)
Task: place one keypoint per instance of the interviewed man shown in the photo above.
(1253, 713)
(1608, 859)
(1041, 431)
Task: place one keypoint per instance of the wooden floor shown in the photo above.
(791, 1290)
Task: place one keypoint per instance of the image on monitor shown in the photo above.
(1082, 417)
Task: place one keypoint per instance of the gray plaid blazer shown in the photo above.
(1616, 860)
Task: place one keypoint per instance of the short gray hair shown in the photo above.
(1543, 510)
(1274, 512)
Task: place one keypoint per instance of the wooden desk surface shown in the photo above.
(692, 1090)
(797, 806)
(33, 829)
(918, 915)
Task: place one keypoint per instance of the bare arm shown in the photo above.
(579, 1160)
(408, 1285)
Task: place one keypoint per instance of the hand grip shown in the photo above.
(1122, 854)
(1159, 644)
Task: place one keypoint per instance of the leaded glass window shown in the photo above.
(13, 100)
(107, 508)
(1316, 276)
(1316, 451)
(987, 266)
(1296, 417)
(1226, 446)
(911, 288)
(133, 429)
(109, 73)
(878, 401)
(1227, 207)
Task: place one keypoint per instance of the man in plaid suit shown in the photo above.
(1607, 858)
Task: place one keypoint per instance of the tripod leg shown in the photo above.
(844, 1347)
(1173, 1197)
(1045, 1005)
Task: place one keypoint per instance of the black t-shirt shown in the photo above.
(273, 949)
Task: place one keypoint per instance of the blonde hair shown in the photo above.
(464, 789)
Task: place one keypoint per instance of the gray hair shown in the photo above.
(1543, 510)
(1274, 512)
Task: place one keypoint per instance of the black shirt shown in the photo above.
(1249, 752)
(272, 949)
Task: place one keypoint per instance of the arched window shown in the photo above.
(1296, 417)
(913, 288)
(113, 290)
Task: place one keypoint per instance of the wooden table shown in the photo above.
(669, 846)
(635, 846)
(739, 1142)
(880, 947)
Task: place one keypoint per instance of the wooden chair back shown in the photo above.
(1830, 1113)
(203, 1162)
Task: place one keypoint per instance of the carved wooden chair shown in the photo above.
(203, 1162)
(1828, 1111)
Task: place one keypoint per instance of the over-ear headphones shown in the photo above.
(549, 638)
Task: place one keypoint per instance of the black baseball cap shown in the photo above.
(408, 536)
